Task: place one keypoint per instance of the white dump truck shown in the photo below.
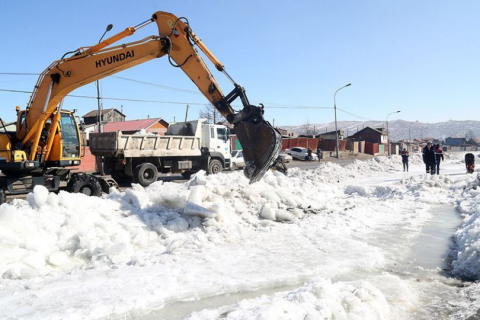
(186, 147)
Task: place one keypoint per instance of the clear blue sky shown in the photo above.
(420, 57)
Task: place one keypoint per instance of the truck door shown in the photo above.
(220, 141)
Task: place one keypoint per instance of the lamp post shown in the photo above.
(335, 109)
(109, 27)
(421, 133)
(409, 132)
(388, 136)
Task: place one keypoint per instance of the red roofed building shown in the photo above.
(153, 125)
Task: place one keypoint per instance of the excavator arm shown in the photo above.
(261, 142)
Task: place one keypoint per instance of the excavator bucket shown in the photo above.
(261, 145)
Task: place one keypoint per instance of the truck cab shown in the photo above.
(217, 139)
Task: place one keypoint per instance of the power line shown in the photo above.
(157, 101)
(19, 74)
(116, 99)
(270, 105)
(352, 114)
(158, 85)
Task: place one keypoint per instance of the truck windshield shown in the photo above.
(222, 134)
(70, 139)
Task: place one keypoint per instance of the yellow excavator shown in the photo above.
(47, 144)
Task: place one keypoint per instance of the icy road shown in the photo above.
(364, 241)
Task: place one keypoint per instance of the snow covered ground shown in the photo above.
(330, 243)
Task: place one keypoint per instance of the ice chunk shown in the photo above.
(39, 196)
(59, 258)
(197, 179)
(177, 225)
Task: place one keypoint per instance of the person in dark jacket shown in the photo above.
(405, 156)
(438, 157)
(319, 153)
(309, 152)
(429, 158)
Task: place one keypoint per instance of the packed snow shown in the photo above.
(330, 243)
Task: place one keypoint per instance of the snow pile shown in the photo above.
(322, 299)
(218, 235)
(318, 299)
(467, 261)
(59, 232)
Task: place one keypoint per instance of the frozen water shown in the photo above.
(315, 232)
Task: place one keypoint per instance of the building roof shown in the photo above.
(133, 125)
(368, 129)
(455, 141)
(94, 113)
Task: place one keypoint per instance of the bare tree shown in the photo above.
(469, 134)
(211, 114)
(307, 129)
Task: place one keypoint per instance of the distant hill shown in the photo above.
(400, 129)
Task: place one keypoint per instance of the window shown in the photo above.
(212, 133)
(70, 140)
(222, 134)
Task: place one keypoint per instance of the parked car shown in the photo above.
(300, 153)
(285, 157)
(237, 160)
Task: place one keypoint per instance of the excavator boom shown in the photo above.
(260, 141)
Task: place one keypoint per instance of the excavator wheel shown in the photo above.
(86, 184)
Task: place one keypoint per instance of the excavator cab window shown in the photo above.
(70, 139)
(21, 119)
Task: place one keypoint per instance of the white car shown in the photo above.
(237, 160)
(285, 157)
(300, 153)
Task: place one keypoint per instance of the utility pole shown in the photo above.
(99, 101)
(186, 114)
(335, 110)
(388, 137)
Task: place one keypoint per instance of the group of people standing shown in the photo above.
(310, 152)
(432, 155)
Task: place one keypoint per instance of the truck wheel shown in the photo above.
(214, 167)
(146, 174)
(3, 197)
(86, 184)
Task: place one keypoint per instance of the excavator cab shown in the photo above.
(59, 141)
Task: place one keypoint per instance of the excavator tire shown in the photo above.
(3, 197)
(86, 184)
(145, 174)
(214, 167)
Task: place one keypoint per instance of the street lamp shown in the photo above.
(109, 27)
(388, 137)
(421, 133)
(409, 132)
(335, 109)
